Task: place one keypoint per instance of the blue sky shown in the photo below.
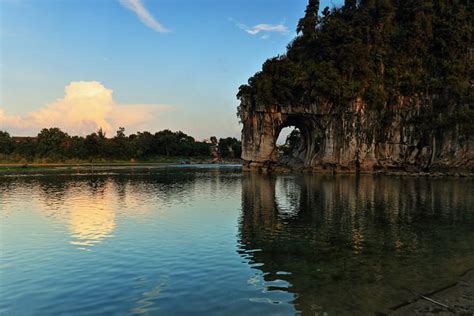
(151, 64)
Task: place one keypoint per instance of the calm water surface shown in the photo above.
(181, 241)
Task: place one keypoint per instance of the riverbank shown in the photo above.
(282, 169)
(454, 299)
(104, 167)
(144, 167)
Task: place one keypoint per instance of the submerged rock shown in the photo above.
(457, 299)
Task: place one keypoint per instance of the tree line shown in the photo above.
(54, 145)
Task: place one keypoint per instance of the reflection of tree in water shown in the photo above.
(356, 245)
(90, 205)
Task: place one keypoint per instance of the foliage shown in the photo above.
(293, 140)
(53, 145)
(6, 143)
(381, 51)
(230, 147)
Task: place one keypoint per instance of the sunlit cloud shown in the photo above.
(259, 28)
(85, 107)
(143, 14)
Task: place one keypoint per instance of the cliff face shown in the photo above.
(354, 140)
(372, 85)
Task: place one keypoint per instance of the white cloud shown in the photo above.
(267, 28)
(143, 14)
(278, 28)
(85, 107)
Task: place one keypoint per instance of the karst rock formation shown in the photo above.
(371, 86)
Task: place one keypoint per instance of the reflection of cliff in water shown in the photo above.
(357, 245)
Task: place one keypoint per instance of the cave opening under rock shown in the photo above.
(295, 141)
(290, 145)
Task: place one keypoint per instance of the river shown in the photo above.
(214, 240)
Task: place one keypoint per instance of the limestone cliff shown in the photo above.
(355, 139)
(361, 101)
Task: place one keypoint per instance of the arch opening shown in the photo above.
(288, 138)
(285, 132)
(291, 145)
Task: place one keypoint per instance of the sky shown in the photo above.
(141, 64)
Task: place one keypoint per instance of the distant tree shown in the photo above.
(185, 144)
(293, 140)
(26, 149)
(101, 133)
(121, 144)
(230, 147)
(55, 145)
(6, 143)
(91, 145)
(77, 148)
(52, 143)
(120, 133)
(144, 145)
(201, 149)
(166, 142)
(237, 149)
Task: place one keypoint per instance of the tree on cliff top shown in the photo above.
(381, 51)
(307, 24)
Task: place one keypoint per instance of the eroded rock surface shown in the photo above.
(356, 139)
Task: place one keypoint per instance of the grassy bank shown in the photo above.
(96, 166)
(5, 160)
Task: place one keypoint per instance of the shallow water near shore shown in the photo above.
(214, 240)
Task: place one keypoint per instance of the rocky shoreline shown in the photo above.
(281, 168)
(454, 299)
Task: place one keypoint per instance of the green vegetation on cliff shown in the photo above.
(386, 52)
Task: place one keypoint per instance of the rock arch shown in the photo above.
(260, 134)
(350, 140)
(262, 128)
